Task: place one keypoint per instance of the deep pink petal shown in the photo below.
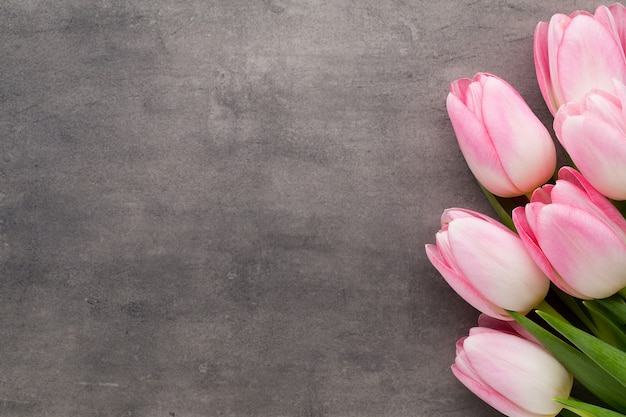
(542, 66)
(459, 88)
(556, 28)
(607, 209)
(572, 193)
(527, 236)
(529, 240)
(543, 194)
(585, 252)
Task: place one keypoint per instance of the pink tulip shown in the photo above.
(593, 131)
(576, 236)
(517, 377)
(506, 326)
(580, 52)
(486, 264)
(508, 149)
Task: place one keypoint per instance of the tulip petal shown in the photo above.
(599, 152)
(456, 213)
(493, 260)
(543, 194)
(571, 194)
(510, 327)
(619, 16)
(583, 250)
(556, 28)
(604, 106)
(614, 19)
(460, 87)
(519, 370)
(588, 57)
(488, 322)
(481, 329)
(461, 286)
(477, 148)
(620, 93)
(542, 66)
(527, 235)
(525, 227)
(490, 396)
(519, 138)
(607, 210)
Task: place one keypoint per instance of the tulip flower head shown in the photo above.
(517, 377)
(580, 52)
(593, 132)
(486, 264)
(576, 236)
(507, 148)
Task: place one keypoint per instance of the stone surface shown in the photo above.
(219, 208)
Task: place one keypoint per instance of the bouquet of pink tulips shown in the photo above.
(550, 279)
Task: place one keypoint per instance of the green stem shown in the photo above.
(575, 307)
(502, 213)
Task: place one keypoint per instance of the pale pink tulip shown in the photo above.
(593, 131)
(486, 264)
(576, 236)
(578, 53)
(517, 377)
(508, 149)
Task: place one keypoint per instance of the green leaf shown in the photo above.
(574, 304)
(567, 413)
(587, 372)
(503, 213)
(609, 331)
(608, 357)
(587, 410)
(616, 306)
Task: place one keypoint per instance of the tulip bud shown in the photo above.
(576, 236)
(507, 148)
(486, 264)
(593, 132)
(517, 377)
(578, 53)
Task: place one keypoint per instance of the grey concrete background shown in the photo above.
(218, 208)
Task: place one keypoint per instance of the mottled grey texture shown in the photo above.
(218, 208)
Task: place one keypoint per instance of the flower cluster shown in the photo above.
(563, 233)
